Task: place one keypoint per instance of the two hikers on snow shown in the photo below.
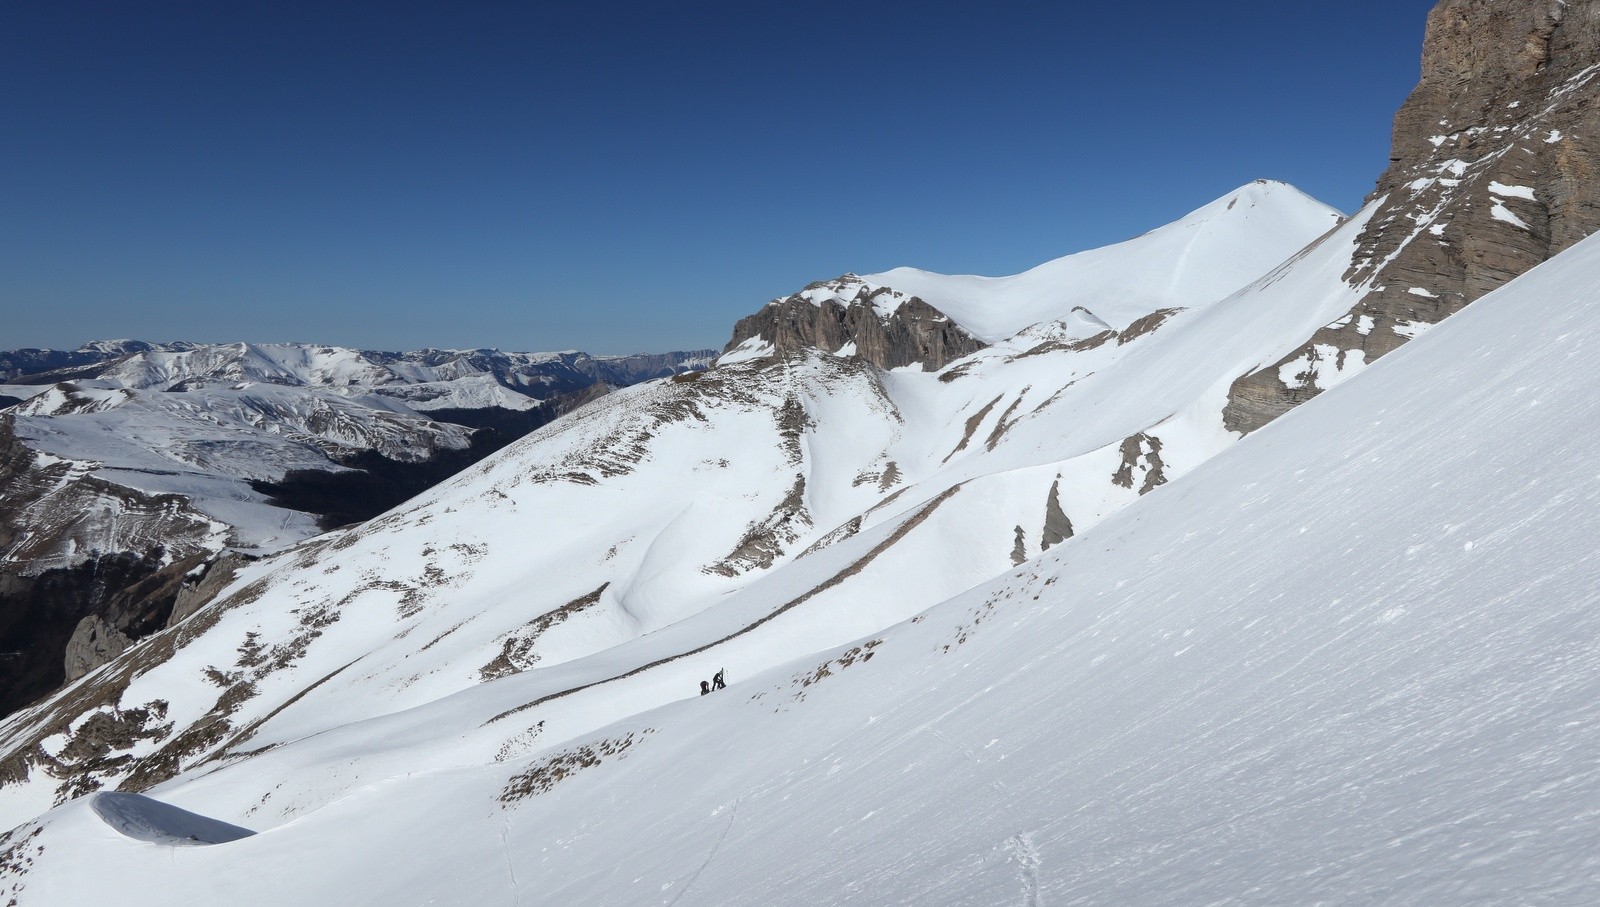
(715, 683)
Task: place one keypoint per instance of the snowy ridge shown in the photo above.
(189, 366)
(1195, 260)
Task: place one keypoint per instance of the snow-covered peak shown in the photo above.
(68, 399)
(1197, 259)
(128, 346)
(272, 363)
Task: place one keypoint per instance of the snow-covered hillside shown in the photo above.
(1203, 256)
(1346, 660)
(1011, 608)
(208, 445)
(912, 317)
(713, 507)
(133, 474)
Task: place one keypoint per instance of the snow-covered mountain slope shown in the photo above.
(1201, 257)
(710, 504)
(126, 476)
(1349, 659)
(910, 317)
(207, 445)
(18, 363)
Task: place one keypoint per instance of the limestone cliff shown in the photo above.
(1493, 170)
(849, 316)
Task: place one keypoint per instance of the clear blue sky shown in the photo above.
(626, 176)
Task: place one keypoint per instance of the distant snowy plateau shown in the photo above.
(1214, 566)
(204, 421)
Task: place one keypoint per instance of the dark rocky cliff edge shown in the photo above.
(846, 311)
(1506, 103)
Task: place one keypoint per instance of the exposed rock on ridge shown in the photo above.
(1493, 170)
(877, 324)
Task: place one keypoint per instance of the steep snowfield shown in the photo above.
(1350, 659)
(1204, 256)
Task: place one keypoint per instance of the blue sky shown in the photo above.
(627, 176)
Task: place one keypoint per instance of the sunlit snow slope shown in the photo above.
(766, 509)
(1206, 255)
(1348, 660)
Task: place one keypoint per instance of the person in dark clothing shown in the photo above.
(716, 682)
(705, 687)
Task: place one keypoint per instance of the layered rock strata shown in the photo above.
(851, 317)
(1493, 170)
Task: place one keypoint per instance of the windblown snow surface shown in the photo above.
(1347, 659)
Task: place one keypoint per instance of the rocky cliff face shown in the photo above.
(1493, 170)
(849, 316)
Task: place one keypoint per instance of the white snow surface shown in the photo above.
(145, 819)
(1347, 659)
(1198, 259)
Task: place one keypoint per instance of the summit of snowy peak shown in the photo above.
(1203, 256)
(1269, 198)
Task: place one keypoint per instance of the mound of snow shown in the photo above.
(146, 819)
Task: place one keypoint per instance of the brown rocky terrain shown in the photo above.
(1493, 170)
(831, 315)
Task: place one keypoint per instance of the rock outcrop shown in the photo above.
(848, 316)
(1493, 170)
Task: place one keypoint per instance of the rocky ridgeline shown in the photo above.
(1493, 170)
(878, 324)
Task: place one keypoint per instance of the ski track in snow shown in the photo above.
(732, 816)
(511, 863)
(1027, 857)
